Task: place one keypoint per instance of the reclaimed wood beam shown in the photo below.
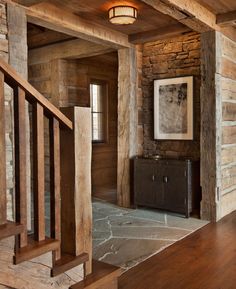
(77, 48)
(54, 18)
(29, 2)
(226, 18)
(190, 13)
(157, 34)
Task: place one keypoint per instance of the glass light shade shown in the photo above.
(123, 15)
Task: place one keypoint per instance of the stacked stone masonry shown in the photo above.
(174, 57)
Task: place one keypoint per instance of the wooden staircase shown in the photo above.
(27, 245)
(104, 276)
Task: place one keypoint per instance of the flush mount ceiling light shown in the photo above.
(123, 15)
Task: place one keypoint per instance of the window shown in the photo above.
(98, 100)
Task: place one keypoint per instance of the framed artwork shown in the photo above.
(173, 108)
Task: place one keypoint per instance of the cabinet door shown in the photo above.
(144, 183)
(175, 180)
(159, 185)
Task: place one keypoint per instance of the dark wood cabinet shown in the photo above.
(167, 184)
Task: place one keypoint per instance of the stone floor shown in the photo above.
(126, 237)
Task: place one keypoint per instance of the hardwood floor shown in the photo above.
(204, 260)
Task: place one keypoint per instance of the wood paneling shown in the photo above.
(3, 188)
(219, 6)
(104, 156)
(229, 111)
(228, 155)
(229, 135)
(96, 11)
(228, 177)
(228, 68)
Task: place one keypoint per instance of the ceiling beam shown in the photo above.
(226, 18)
(72, 49)
(28, 2)
(57, 19)
(190, 13)
(160, 33)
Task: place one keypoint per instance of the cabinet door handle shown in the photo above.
(153, 178)
(165, 179)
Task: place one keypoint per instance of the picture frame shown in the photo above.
(173, 108)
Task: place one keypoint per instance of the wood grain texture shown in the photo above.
(77, 48)
(192, 14)
(32, 274)
(14, 79)
(3, 200)
(229, 111)
(67, 262)
(20, 163)
(228, 68)
(61, 20)
(35, 249)
(229, 135)
(159, 33)
(228, 155)
(38, 172)
(228, 177)
(76, 151)
(55, 184)
(10, 229)
(103, 276)
(209, 144)
(226, 18)
(127, 122)
(194, 262)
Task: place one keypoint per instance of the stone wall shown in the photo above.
(179, 56)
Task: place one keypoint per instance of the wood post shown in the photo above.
(3, 199)
(76, 149)
(39, 174)
(127, 122)
(55, 183)
(20, 162)
(210, 128)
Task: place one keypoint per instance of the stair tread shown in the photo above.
(68, 262)
(102, 274)
(35, 249)
(10, 229)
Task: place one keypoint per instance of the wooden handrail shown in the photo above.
(13, 79)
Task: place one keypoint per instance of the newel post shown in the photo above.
(76, 203)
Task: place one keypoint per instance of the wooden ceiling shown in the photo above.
(156, 18)
(38, 36)
(219, 6)
(224, 9)
(96, 11)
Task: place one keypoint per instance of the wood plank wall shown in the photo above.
(227, 86)
(104, 156)
(66, 83)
